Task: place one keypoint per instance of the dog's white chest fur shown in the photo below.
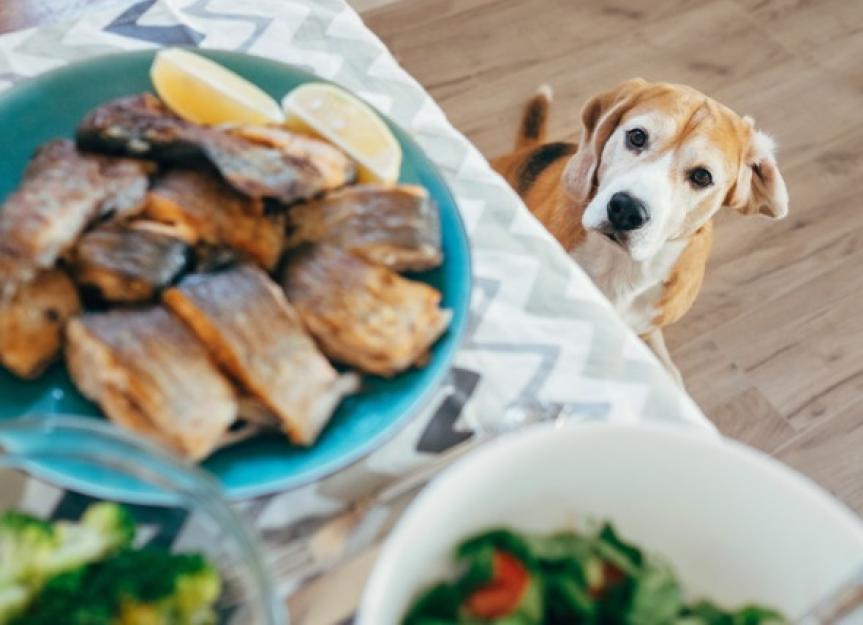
(634, 288)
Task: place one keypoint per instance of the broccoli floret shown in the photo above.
(13, 599)
(191, 603)
(113, 521)
(25, 541)
(104, 528)
(64, 599)
(86, 573)
(33, 551)
(196, 594)
(165, 589)
(146, 587)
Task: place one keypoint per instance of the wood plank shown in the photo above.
(827, 32)
(364, 6)
(830, 454)
(576, 47)
(757, 332)
(725, 392)
(398, 17)
(820, 354)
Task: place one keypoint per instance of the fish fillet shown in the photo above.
(363, 314)
(62, 192)
(150, 374)
(397, 227)
(209, 211)
(252, 330)
(143, 126)
(32, 322)
(128, 263)
(334, 166)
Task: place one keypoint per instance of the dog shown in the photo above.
(633, 202)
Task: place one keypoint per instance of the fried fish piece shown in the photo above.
(252, 330)
(252, 410)
(209, 211)
(397, 227)
(143, 126)
(150, 374)
(32, 323)
(126, 181)
(210, 258)
(362, 314)
(335, 167)
(129, 263)
(62, 192)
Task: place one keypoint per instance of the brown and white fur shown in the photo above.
(651, 268)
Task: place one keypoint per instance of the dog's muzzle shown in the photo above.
(626, 213)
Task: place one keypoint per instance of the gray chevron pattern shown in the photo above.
(542, 340)
(126, 24)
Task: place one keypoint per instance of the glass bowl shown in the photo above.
(36, 453)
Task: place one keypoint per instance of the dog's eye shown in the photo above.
(700, 177)
(636, 139)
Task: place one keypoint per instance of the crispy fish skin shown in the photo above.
(143, 126)
(150, 374)
(127, 181)
(129, 263)
(335, 167)
(362, 314)
(140, 126)
(32, 323)
(62, 192)
(209, 211)
(397, 227)
(245, 320)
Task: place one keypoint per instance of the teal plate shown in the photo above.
(51, 106)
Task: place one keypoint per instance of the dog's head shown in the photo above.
(656, 161)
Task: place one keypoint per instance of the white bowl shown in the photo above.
(737, 526)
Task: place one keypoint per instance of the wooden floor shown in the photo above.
(773, 349)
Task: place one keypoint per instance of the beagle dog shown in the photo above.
(633, 202)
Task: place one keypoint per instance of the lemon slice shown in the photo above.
(342, 119)
(202, 91)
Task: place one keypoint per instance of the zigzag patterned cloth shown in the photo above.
(541, 338)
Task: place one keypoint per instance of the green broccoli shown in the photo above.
(103, 529)
(25, 542)
(87, 573)
(13, 599)
(32, 550)
(146, 587)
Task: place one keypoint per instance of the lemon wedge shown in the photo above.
(204, 92)
(340, 118)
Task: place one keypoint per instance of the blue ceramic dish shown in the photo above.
(51, 106)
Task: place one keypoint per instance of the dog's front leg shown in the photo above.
(656, 341)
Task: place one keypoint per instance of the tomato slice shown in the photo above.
(501, 596)
(611, 576)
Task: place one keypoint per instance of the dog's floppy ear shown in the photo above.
(760, 188)
(599, 118)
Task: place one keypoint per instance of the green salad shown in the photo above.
(88, 573)
(510, 578)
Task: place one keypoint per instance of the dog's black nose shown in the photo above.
(626, 213)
